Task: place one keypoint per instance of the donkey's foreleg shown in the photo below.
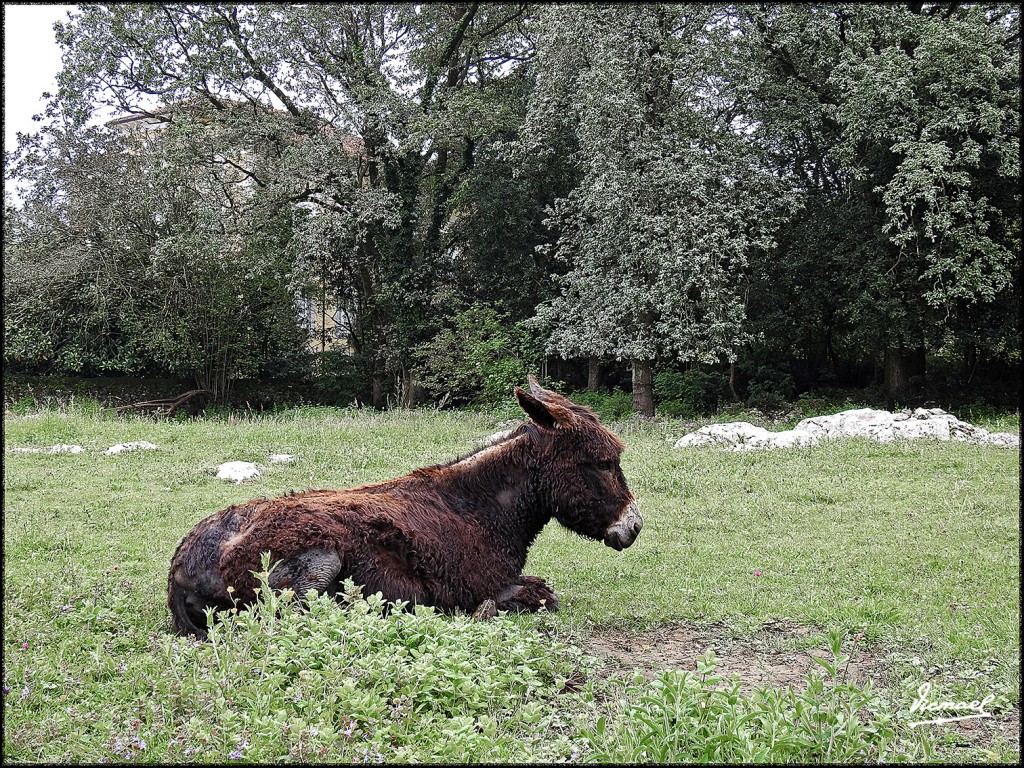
(527, 595)
(313, 569)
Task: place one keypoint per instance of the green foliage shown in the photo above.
(479, 358)
(821, 187)
(610, 406)
(768, 388)
(908, 170)
(689, 393)
(671, 202)
(339, 378)
(141, 265)
(682, 717)
(370, 681)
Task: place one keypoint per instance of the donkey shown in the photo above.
(454, 536)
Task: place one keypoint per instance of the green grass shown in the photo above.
(914, 544)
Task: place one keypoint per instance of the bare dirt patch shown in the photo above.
(771, 656)
(778, 654)
(984, 733)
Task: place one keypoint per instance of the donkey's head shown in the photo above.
(580, 474)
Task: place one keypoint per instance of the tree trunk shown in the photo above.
(900, 365)
(408, 389)
(970, 363)
(643, 389)
(897, 377)
(376, 391)
(593, 374)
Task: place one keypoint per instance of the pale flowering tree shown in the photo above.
(673, 199)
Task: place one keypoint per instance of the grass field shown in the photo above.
(905, 554)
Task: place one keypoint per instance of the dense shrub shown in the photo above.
(688, 393)
(339, 378)
(371, 683)
(610, 406)
(478, 358)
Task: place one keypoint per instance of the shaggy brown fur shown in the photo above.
(452, 536)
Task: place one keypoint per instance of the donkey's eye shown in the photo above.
(605, 466)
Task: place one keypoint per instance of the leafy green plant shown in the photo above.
(339, 378)
(369, 681)
(688, 393)
(610, 406)
(479, 358)
(681, 717)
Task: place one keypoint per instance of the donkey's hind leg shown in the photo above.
(313, 569)
(528, 595)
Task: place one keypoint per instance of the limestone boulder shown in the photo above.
(237, 471)
(726, 435)
(870, 423)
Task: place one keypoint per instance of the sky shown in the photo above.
(31, 63)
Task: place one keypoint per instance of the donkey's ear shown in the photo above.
(547, 415)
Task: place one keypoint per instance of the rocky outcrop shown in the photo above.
(883, 426)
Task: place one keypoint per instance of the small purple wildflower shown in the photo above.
(757, 573)
(7, 689)
(238, 754)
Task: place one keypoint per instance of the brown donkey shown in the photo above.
(452, 536)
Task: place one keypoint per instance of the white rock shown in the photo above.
(931, 423)
(497, 437)
(141, 445)
(864, 422)
(1004, 439)
(62, 448)
(730, 434)
(281, 458)
(790, 438)
(25, 450)
(237, 471)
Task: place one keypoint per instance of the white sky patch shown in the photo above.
(31, 64)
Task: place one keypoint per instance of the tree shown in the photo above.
(900, 124)
(132, 255)
(672, 200)
(416, 85)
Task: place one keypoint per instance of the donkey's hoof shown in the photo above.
(486, 610)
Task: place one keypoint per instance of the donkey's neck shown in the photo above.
(498, 487)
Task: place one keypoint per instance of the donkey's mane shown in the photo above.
(523, 428)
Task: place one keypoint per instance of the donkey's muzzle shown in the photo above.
(624, 531)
